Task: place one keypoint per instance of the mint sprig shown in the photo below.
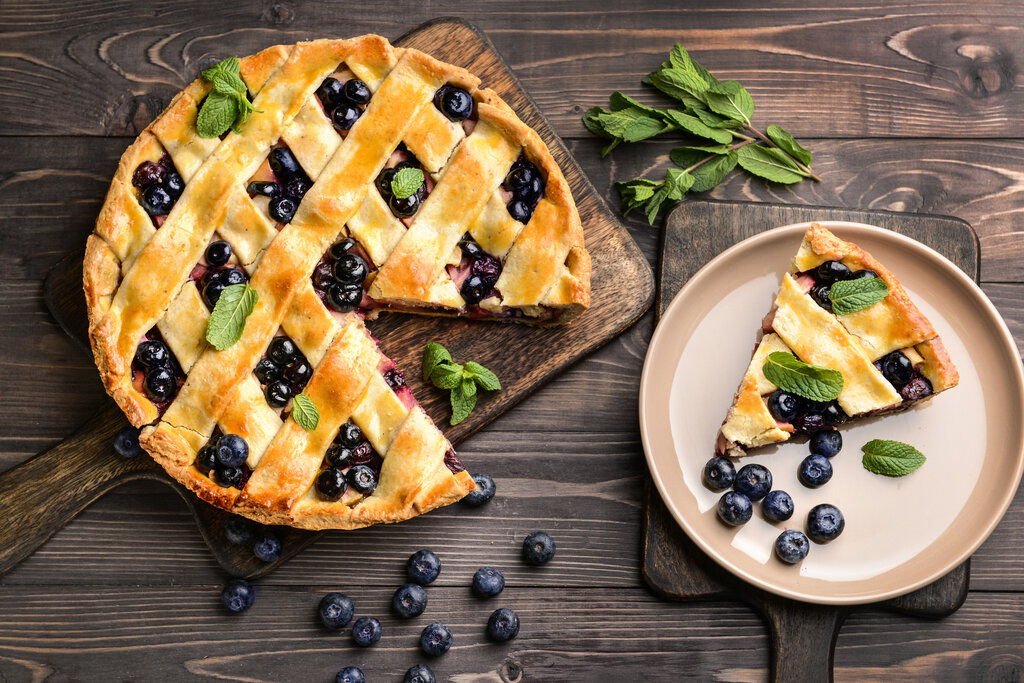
(227, 321)
(406, 182)
(891, 458)
(304, 412)
(227, 106)
(708, 110)
(850, 296)
(791, 374)
(461, 380)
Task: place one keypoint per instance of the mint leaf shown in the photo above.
(305, 412)
(678, 84)
(406, 182)
(463, 400)
(789, 144)
(770, 164)
(433, 355)
(791, 374)
(680, 58)
(635, 192)
(447, 375)
(693, 125)
(688, 155)
(730, 99)
(849, 296)
(891, 458)
(228, 87)
(217, 115)
(618, 101)
(227, 321)
(708, 175)
(230, 65)
(484, 378)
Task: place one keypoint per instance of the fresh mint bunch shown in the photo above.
(709, 111)
(461, 380)
(227, 105)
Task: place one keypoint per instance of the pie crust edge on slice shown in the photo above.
(414, 476)
(850, 343)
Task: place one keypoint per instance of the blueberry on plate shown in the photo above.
(423, 567)
(815, 470)
(126, 442)
(754, 481)
(232, 450)
(366, 631)
(827, 443)
(735, 508)
(238, 595)
(791, 546)
(409, 600)
(335, 610)
(825, 522)
(350, 674)
(783, 406)
(483, 492)
(502, 625)
(830, 271)
(267, 548)
(436, 639)
(538, 548)
(420, 673)
(239, 530)
(777, 506)
(488, 582)
(719, 474)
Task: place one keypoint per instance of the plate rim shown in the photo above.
(1005, 339)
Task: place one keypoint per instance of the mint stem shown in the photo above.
(764, 138)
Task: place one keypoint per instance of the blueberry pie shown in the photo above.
(887, 353)
(367, 178)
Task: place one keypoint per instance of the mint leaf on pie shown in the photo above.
(434, 355)
(406, 182)
(849, 296)
(891, 458)
(791, 374)
(227, 106)
(484, 378)
(217, 115)
(305, 412)
(227, 321)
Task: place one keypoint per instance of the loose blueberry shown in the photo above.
(809, 423)
(366, 631)
(206, 458)
(282, 209)
(474, 289)
(174, 185)
(267, 548)
(357, 91)
(777, 506)
(471, 248)
(232, 450)
(148, 173)
(830, 271)
(335, 610)
(218, 253)
(330, 92)
(423, 567)
(833, 415)
(815, 470)
(403, 208)
(350, 435)
(267, 371)
(735, 508)
(339, 249)
(297, 188)
(152, 353)
(238, 595)
(488, 582)
(384, 182)
(483, 492)
(267, 189)
(331, 484)
(282, 351)
(820, 295)
(916, 389)
(350, 270)
(825, 522)
(232, 276)
(284, 164)
(350, 674)
(297, 374)
(420, 673)
(157, 201)
(503, 625)
(278, 394)
(827, 443)
(783, 406)
(754, 481)
(239, 530)
(519, 211)
(858, 274)
(344, 298)
(345, 116)
(362, 479)
(719, 474)
(160, 384)
(538, 548)
(228, 476)
(409, 600)
(126, 443)
(897, 368)
(436, 639)
(791, 546)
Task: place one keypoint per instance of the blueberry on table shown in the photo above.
(238, 595)
(267, 548)
(827, 443)
(483, 492)
(777, 506)
(831, 271)
(719, 474)
(436, 639)
(783, 406)
(350, 674)
(126, 443)
(409, 600)
(239, 530)
(538, 548)
(232, 450)
(366, 631)
(815, 470)
(335, 610)
(825, 522)
(423, 567)
(791, 546)
(735, 508)
(488, 582)
(420, 673)
(754, 481)
(503, 625)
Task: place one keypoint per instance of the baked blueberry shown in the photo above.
(330, 483)
(148, 173)
(174, 185)
(152, 353)
(350, 435)
(488, 268)
(830, 271)
(282, 351)
(362, 479)
(339, 249)
(897, 368)
(282, 209)
(471, 248)
(344, 298)
(488, 582)
(820, 295)
(356, 91)
(232, 276)
(330, 92)
(809, 423)
(474, 289)
(297, 374)
(126, 443)
(394, 378)
(519, 211)
(825, 522)
(278, 393)
(423, 567)
(519, 177)
(338, 456)
(297, 188)
(362, 453)
(157, 201)
(436, 639)
(827, 443)
(754, 481)
(345, 116)
(366, 631)
(531, 192)
(777, 506)
(383, 182)
(239, 530)
(228, 476)
(833, 414)
(783, 406)
(350, 270)
(267, 371)
(238, 595)
(206, 458)
(350, 674)
(267, 189)
(218, 253)
(735, 508)
(538, 548)
(335, 610)
(284, 164)
(503, 625)
(858, 274)
(403, 208)
(791, 546)
(456, 103)
(409, 600)
(815, 470)
(160, 384)
(916, 389)
(267, 548)
(483, 492)
(420, 673)
(719, 474)
(232, 450)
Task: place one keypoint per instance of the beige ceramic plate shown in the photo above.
(900, 534)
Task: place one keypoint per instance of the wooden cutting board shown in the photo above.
(84, 467)
(803, 635)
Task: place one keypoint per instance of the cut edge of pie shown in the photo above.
(856, 344)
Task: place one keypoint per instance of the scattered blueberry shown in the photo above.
(282, 209)
(356, 91)
(331, 483)
(409, 600)
(345, 116)
(126, 443)
(350, 674)
(777, 506)
(897, 368)
(830, 271)
(267, 189)
(735, 508)
(503, 624)
(519, 211)
(754, 481)
(232, 450)
(916, 389)
(827, 443)
(783, 406)
(366, 631)
(160, 384)
(218, 253)
(227, 475)
(719, 474)
(483, 492)
(362, 479)
(420, 673)
(456, 104)
(267, 548)
(152, 352)
(488, 582)
(538, 548)
(423, 567)
(157, 201)
(284, 164)
(278, 393)
(815, 470)
(335, 610)
(791, 546)
(239, 530)
(436, 639)
(238, 595)
(825, 522)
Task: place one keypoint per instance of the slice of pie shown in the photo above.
(889, 355)
(304, 203)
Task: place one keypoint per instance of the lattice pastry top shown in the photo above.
(300, 203)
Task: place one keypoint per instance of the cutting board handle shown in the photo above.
(42, 494)
(803, 639)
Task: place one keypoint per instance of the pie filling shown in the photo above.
(227, 476)
(155, 371)
(282, 372)
(522, 189)
(350, 462)
(343, 98)
(279, 184)
(403, 208)
(159, 185)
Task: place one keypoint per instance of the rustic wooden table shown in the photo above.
(915, 106)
